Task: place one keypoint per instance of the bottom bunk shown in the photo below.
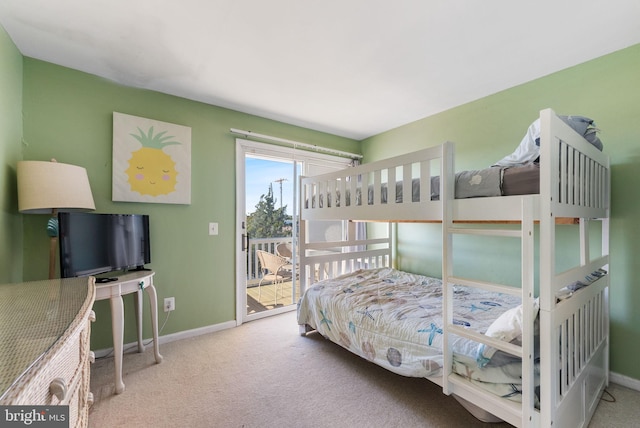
(394, 319)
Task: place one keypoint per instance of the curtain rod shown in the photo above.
(296, 143)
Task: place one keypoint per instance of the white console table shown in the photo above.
(131, 282)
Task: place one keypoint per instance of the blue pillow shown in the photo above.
(583, 126)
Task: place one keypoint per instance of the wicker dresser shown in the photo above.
(45, 355)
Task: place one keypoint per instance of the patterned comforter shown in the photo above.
(394, 319)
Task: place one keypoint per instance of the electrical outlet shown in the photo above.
(169, 304)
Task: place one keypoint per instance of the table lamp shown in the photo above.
(48, 187)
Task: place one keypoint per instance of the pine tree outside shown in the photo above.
(267, 221)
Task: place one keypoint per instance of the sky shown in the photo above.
(260, 173)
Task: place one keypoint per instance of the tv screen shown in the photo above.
(92, 243)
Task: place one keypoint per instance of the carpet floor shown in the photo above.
(264, 374)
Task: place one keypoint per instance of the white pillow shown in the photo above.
(508, 328)
(527, 151)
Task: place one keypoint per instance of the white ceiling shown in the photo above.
(353, 68)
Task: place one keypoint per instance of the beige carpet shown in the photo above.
(263, 374)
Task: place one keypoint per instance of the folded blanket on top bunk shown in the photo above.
(394, 319)
(473, 184)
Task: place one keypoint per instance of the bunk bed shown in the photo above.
(551, 338)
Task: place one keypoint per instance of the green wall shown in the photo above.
(10, 153)
(606, 89)
(68, 116)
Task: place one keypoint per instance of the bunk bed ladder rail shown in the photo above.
(514, 413)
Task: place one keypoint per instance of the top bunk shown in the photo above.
(569, 180)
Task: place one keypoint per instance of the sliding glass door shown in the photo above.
(267, 224)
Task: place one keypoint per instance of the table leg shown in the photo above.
(137, 299)
(153, 301)
(117, 325)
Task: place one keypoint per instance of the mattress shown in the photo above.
(521, 180)
(394, 319)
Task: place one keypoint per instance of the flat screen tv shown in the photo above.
(91, 243)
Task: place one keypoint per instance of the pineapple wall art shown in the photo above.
(151, 161)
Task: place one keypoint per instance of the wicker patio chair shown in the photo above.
(275, 269)
(284, 249)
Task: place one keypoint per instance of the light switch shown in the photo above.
(213, 228)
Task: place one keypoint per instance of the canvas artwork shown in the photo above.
(151, 161)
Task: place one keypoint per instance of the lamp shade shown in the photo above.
(44, 186)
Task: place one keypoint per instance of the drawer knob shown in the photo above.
(92, 316)
(58, 387)
(90, 399)
(92, 357)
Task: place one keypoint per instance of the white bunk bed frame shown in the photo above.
(574, 339)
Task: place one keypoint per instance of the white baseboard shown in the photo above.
(625, 381)
(133, 346)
